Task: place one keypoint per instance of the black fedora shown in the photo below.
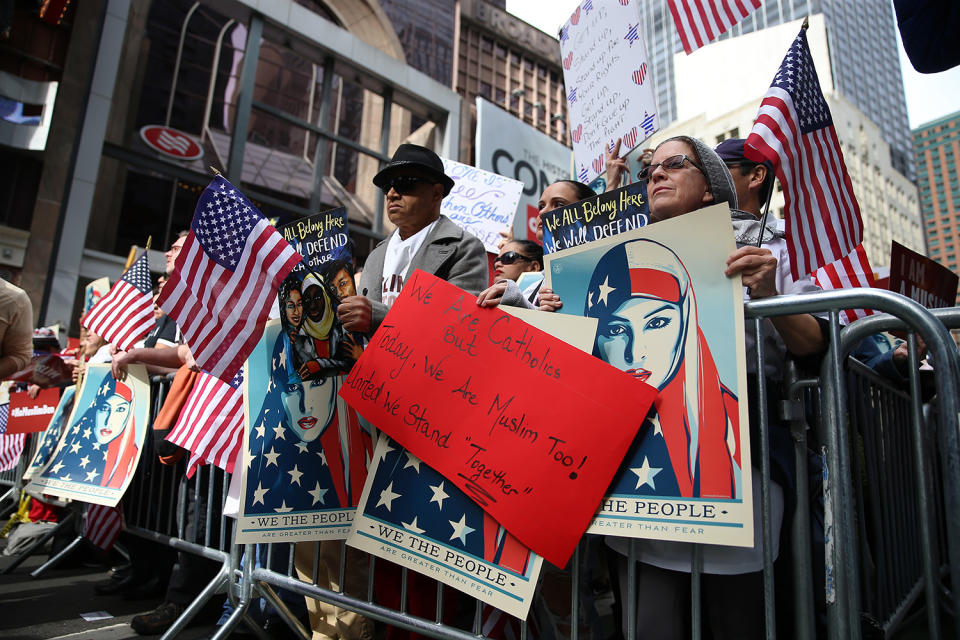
(423, 161)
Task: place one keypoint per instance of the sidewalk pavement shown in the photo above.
(50, 607)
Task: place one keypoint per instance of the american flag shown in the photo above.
(794, 131)
(210, 424)
(10, 446)
(102, 525)
(225, 279)
(125, 314)
(850, 271)
(699, 22)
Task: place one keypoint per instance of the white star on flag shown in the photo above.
(645, 474)
(318, 493)
(439, 495)
(387, 496)
(460, 529)
(412, 526)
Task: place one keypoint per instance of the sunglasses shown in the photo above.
(512, 256)
(404, 185)
(669, 164)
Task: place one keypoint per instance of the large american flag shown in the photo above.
(794, 131)
(210, 424)
(852, 270)
(225, 279)
(11, 447)
(699, 22)
(125, 314)
(102, 525)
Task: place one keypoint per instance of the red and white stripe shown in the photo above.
(103, 525)
(210, 425)
(11, 448)
(125, 314)
(699, 22)
(851, 271)
(222, 312)
(822, 214)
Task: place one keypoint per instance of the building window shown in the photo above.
(501, 51)
(486, 45)
(501, 96)
(486, 90)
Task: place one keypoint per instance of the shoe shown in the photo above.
(151, 588)
(158, 620)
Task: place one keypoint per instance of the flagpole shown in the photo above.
(766, 210)
(149, 242)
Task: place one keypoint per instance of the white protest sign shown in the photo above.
(608, 83)
(510, 147)
(481, 203)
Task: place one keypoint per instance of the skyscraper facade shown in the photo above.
(863, 59)
(936, 149)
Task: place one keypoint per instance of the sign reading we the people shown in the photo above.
(601, 216)
(481, 203)
(667, 314)
(413, 516)
(100, 446)
(608, 82)
(426, 380)
(51, 435)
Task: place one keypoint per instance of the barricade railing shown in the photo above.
(160, 504)
(11, 480)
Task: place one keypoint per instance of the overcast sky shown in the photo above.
(928, 96)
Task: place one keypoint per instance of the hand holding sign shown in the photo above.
(528, 426)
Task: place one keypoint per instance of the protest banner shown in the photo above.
(45, 370)
(29, 415)
(100, 447)
(304, 451)
(317, 345)
(424, 381)
(413, 516)
(668, 315)
(51, 436)
(921, 279)
(602, 216)
(511, 148)
(481, 202)
(608, 83)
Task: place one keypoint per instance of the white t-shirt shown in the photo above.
(396, 262)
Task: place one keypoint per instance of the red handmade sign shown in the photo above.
(28, 415)
(921, 279)
(531, 428)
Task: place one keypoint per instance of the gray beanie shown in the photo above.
(719, 181)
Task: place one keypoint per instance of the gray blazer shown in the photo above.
(447, 252)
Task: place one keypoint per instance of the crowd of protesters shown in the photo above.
(682, 175)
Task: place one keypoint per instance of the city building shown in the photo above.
(887, 198)
(296, 102)
(936, 150)
(862, 56)
(512, 64)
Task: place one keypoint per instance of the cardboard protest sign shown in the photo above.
(413, 516)
(514, 149)
(921, 279)
(101, 444)
(481, 203)
(608, 83)
(304, 451)
(667, 314)
(605, 215)
(29, 415)
(45, 370)
(574, 330)
(317, 345)
(427, 380)
(51, 436)
(93, 292)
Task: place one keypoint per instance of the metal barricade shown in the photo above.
(11, 480)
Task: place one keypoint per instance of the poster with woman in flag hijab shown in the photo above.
(100, 447)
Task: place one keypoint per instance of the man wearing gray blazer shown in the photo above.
(414, 185)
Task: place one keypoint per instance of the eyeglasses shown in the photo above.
(404, 185)
(669, 164)
(512, 256)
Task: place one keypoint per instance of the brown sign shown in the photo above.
(921, 279)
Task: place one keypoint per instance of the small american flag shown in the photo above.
(125, 314)
(225, 279)
(210, 425)
(11, 447)
(699, 22)
(794, 131)
(848, 272)
(102, 525)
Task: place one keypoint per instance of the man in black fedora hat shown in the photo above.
(414, 185)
